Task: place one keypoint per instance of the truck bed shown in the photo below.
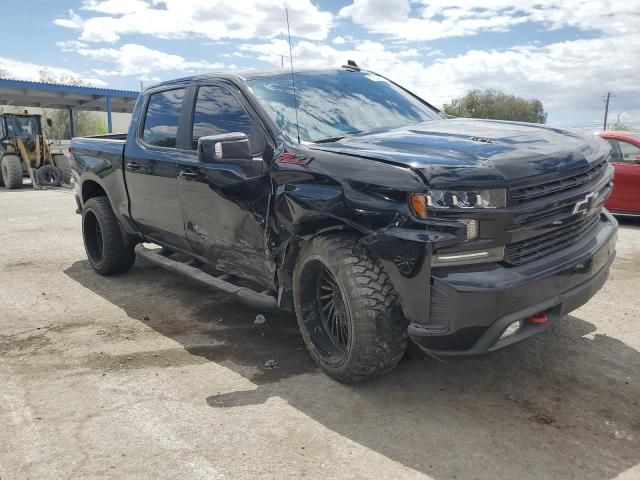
(109, 147)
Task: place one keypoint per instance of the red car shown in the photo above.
(625, 158)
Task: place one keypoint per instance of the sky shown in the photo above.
(567, 53)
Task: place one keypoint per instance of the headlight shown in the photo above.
(467, 198)
(441, 199)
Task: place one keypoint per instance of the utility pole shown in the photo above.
(606, 110)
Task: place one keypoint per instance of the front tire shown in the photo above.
(107, 249)
(12, 171)
(347, 310)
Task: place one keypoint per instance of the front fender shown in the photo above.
(307, 204)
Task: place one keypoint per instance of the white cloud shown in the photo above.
(566, 76)
(72, 21)
(71, 45)
(133, 59)
(234, 19)
(436, 19)
(20, 70)
(114, 7)
(316, 55)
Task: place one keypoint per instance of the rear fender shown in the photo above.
(92, 185)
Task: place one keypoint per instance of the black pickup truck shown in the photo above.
(356, 204)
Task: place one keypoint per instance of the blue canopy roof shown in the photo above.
(49, 95)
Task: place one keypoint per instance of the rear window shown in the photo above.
(162, 118)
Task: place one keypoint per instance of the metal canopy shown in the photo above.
(70, 97)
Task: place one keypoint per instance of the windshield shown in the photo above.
(335, 104)
(22, 127)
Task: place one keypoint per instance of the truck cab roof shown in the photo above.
(241, 76)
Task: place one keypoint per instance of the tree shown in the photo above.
(47, 76)
(85, 123)
(619, 126)
(497, 105)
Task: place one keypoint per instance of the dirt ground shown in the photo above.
(147, 375)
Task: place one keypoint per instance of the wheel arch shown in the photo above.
(91, 188)
(305, 232)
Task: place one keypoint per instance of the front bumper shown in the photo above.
(472, 306)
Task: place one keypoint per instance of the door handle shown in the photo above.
(133, 166)
(188, 174)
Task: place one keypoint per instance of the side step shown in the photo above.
(243, 294)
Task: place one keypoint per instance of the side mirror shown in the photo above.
(638, 158)
(225, 148)
(49, 123)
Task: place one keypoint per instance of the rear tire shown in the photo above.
(107, 248)
(64, 166)
(347, 310)
(12, 171)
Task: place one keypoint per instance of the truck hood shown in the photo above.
(469, 152)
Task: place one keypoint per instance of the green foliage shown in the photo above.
(85, 123)
(497, 105)
(620, 126)
(47, 76)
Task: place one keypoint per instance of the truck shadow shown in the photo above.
(562, 405)
(628, 222)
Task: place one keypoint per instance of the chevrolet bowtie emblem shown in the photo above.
(584, 206)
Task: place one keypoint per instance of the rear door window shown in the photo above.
(218, 111)
(162, 118)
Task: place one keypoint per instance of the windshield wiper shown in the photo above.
(329, 139)
(335, 139)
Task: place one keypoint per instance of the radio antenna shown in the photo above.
(293, 77)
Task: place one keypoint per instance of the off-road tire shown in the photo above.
(378, 329)
(12, 171)
(108, 250)
(64, 166)
(48, 176)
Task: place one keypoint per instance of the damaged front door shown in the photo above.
(224, 192)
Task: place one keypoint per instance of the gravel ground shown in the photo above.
(147, 375)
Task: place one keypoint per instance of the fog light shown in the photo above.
(472, 228)
(512, 329)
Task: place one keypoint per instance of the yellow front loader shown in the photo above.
(25, 152)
